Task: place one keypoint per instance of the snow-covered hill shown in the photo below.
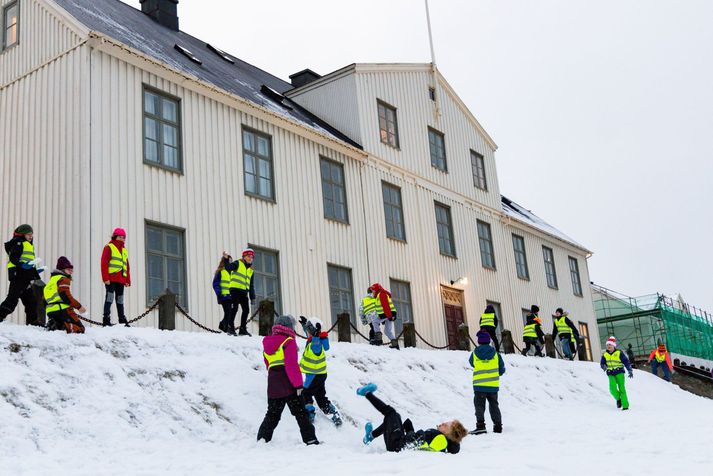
(144, 402)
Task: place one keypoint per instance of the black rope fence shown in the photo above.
(431, 345)
(139, 317)
(185, 314)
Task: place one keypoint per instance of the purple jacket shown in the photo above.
(282, 381)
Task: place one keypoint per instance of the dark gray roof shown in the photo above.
(130, 26)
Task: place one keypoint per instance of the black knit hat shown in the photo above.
(534, 309)
(24, 229)
(560, 310)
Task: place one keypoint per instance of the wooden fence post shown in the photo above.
(409, 334)
(266, 317)
(463, 337)
(167, 311)
(550, 350)
(344, 332)
(38, 287)
(507, 342)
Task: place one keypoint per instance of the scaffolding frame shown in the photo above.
(646, 321)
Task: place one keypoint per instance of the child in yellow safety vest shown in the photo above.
(488, 366)
(314, 366)
(613, 363)
(60, 302)
(400, 435)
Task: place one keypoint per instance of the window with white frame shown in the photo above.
(165, 262)
(341, 292)
(162, 130)
(257, 164)
(10, 25)
(393, 211)
(388, 126)
(477, 163)
(550, 271)
(574, 272)
(444, 228)
(518, 244)
(485, 240)
(437, 147)
(266, 276)
(334, 194)
(401, 295)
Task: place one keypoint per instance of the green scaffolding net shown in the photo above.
(647, 320)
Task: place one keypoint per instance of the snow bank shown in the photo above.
(141, 401)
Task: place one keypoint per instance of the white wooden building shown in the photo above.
(374, 173)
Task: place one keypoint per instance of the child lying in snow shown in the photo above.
(397, 435)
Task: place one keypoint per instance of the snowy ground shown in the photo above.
(145, 402)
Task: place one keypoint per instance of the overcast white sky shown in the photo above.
(602, 111)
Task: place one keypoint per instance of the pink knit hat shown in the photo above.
(119, 232)
(611, 340)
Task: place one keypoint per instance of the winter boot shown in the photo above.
(122, 320)
(336, 417)
(479, 429)
(244, 332)
(231, 330)
(311, 412)
(312, 442)
(368, 388)
(618, 403)
(394, 344)
(524, 353)
(368, 436)
(221, 326)
(497, 428)
(377, 339)
(106, 321)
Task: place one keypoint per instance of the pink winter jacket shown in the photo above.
(282, 381)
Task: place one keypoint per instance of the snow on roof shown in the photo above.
(524, 215)
(133, 28)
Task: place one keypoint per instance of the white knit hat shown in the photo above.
(611, 340)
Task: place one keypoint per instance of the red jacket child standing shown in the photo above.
(116, 275)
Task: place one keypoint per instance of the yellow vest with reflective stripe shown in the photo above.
(52, 297)
(613, 360)
(224, 282)
(312, 363)
(530, 331)
(487, 320)
(660, 358)
(118, 260)
(368, 304)
(240, 278)
(278, 358)
(439, 443)
(28, 254)
(380, 308)
(486, 373)
(562, 327)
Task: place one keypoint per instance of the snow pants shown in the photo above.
(396, 434)
(529, 343)
(114, 291)
(20, 290)
(617, 388)
(388, 327)
(227, 306)
(664, 366)
(479, 400)
(275, 406)
(240, 300)
(318, 390)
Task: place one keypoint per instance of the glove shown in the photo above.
(317, 329)
(299, 392)
(323, 335)
(33, 262)
(41, 269)
(303, 320)
(631, 374)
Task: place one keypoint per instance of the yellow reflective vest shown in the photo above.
(224, 282)
(530, 331)
(278, 358)
(380, 308)
(660, 358)
(28, 254)
(486, 373)
(240, 278)
(562, 327)
(439, 443)
(487, 320)
(368, 304)
(312, 363)
(118, 261)
(613, 360)
(52, 296)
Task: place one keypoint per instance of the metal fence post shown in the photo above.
(409, 334)
(463, 337)
(507, 342)
(344, 333)
(38, 287)
(167, 312)
(266, 317)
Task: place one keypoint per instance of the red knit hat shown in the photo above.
(612, 341)
(248, 252)
(64, 263)
(119, 232)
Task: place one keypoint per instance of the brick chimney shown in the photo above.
(303, 77)
(164, 12)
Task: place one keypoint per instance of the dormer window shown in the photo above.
(220, 53)
(10, 21)
(187, 53)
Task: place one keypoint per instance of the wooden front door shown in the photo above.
(454, 318)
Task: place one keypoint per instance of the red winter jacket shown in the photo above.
(652, 356)
(114, 277)
(383, 296)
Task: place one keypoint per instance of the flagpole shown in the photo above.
(437, 109)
